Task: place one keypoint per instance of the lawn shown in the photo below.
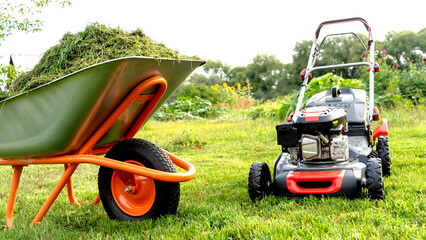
(215, 205)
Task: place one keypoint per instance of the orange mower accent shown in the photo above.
(334, 177)
(381, 130)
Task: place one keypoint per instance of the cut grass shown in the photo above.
(95, 44)
(215, 205)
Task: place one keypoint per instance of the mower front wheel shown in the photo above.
(373, 173)
(259, 181)
(131, 197)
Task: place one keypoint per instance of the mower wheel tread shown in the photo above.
(373, 172)
(373, 154)
(382, 148)
(259, 181)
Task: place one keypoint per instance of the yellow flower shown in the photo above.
(216, 86)
(238, 85)
(225, 85)
(211, 87)
(233, 89)
(229, 89)
(245, 88)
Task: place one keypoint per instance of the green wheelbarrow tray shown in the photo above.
(58, 117)
(91, 112)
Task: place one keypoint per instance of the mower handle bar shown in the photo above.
(344, 65)
(317, 32)
(314, 53)
(337, 34)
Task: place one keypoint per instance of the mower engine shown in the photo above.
(316, 135)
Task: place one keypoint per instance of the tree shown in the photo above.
(343, 49)
(406, 46)
(332, 50)
(269, 77)
(264, 75)
(200, 79)
(238, 75)
(18, 16)
(300, 59)
(217, 68)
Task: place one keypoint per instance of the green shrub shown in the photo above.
(316, 85)
(211, 94)
(327, 81)
(256, 113)
(188, 108)
(394, 87)
(268, 110)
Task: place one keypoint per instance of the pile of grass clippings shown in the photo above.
(97, 43)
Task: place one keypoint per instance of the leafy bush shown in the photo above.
(316, 85)
(206, 93)
(188, 108)
(214, 94)
(327, 81)
(396, 87)
(268, 110)
(7, 72)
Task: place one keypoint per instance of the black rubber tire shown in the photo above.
(150, 155)
(382, 148)
(373, 154)
(373, 173)
(259, 181)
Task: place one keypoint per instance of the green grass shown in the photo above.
(215, 205)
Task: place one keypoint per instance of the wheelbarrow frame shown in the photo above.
(88, 153)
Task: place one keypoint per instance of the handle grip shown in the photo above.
(341, 21)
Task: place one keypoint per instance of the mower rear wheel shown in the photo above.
(259, 181)
(373, 173)
(382, 148)
(146, 198)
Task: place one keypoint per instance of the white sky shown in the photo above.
(233, 31)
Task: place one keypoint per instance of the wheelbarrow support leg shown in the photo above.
(70, 190)
(61, 184)
(17, 170)
(97, 200)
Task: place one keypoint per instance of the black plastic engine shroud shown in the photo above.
(326, 120)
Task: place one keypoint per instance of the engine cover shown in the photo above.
(325, 119)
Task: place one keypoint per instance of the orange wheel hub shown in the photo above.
(133, 200)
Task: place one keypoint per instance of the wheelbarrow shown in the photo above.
(95, 111)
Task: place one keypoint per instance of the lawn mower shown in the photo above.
(327, 147)
(93, 112)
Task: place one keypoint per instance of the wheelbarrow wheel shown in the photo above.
(146, 198)
(259, 181)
